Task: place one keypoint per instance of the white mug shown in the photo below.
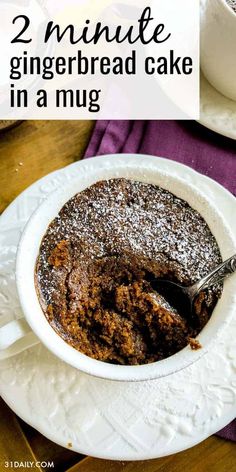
(15, 337)
(35, 327)
(218, 46)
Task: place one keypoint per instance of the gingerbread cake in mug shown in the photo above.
(97, 263)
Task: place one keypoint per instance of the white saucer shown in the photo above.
(218, 112)
(125, 421)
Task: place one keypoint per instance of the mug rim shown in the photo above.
(45, 332)
(228, 7)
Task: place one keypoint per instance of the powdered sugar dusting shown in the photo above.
(118, 216)
(232, 4)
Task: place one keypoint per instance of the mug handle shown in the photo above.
(14, 331)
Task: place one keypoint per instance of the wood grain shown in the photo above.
(213, 455)
(44, 146)
(13, 444)
(35, 148)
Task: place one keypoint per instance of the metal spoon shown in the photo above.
(182, 298)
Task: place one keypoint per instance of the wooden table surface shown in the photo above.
(28, 152)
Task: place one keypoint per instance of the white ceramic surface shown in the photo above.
(141, 168)
(218, 40)
(126, 421)
(218, 112)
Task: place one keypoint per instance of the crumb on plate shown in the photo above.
(194, 344)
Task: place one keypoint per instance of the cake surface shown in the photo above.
(97, 262)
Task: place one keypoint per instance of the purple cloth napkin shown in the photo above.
(183, 141)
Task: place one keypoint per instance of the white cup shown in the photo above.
(35, 327)
(218, 46)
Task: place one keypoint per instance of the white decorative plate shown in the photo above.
(217, 112)
(125, 421)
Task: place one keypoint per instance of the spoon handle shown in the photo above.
(217, 275)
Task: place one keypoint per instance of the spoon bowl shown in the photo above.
(182, 298)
